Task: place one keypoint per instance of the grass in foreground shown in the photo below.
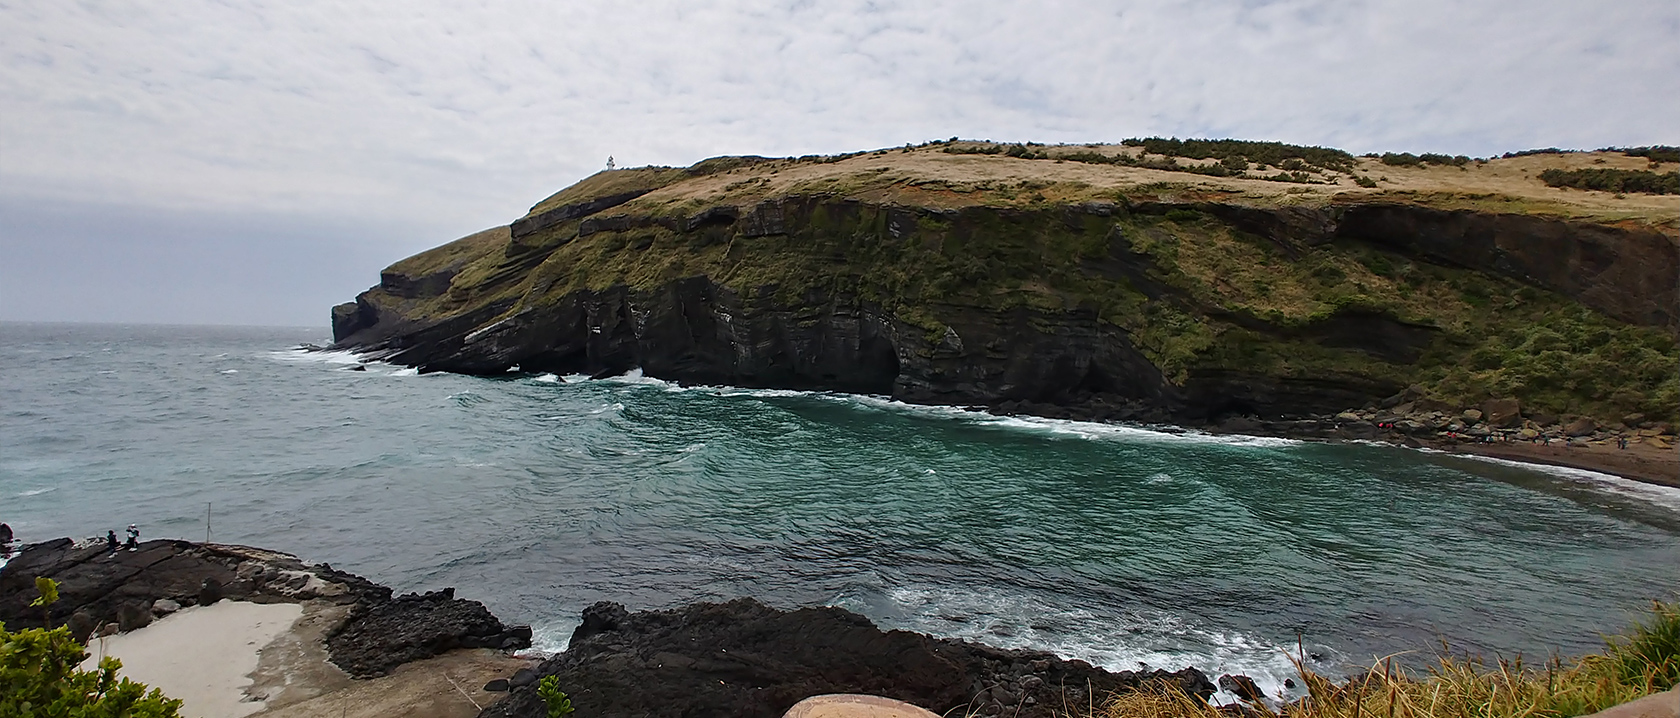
(1645, 661)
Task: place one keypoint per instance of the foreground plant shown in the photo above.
(40, 677)
(1645, 661)
(559, 706)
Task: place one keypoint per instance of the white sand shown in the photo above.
(201, 655)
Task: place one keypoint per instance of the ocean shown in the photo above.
(539, 495)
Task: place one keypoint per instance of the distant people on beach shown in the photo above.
(133, 538)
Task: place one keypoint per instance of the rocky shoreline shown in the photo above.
(103, 592)
(1498, 428)
(739, 658)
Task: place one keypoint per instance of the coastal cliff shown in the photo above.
(1092, 282)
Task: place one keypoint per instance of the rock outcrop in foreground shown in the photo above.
(125, 590)
(744, 659)
(1093, 288)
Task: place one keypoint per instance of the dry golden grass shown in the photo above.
(928, 176)
(1645, 661)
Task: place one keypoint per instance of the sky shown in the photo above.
(257, 161)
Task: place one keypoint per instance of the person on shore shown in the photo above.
(111, 541)
(133, 538)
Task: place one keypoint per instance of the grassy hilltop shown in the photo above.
(1212, 257)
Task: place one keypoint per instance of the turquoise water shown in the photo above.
(540, 495)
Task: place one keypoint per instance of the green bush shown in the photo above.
(40, 676)
(1655, 153)
(1613, 180)
(1263, 153)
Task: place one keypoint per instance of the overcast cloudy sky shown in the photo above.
(256, 161)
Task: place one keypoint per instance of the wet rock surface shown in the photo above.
(379, 636)
(743, 658)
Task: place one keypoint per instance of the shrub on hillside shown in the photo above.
(1654, 153)
(1262, 153)
(1614, 180)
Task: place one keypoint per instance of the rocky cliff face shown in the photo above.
(1182, 308)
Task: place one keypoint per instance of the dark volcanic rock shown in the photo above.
(125, 589)
(380, 636)
(1242, 687)
(745, 659)
(99, 584)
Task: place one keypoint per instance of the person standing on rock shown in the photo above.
(133, 537)
(111, 541)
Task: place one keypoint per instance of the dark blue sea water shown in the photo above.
(539, 495)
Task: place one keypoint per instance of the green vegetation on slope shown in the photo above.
(1645, 661)
(1614, 180)
(1262, 153)
(927, 237)
(1194, 293)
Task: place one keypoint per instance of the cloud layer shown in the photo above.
(434, 113)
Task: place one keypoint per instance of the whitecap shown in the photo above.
(547, 379)
(230, 371)
(1090, 430)
(1104, 636)
(408, 371)
(1664, 496)
(317, 356)
(38, 492)
(548, 639)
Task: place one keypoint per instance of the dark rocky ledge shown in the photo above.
(125, 590)
(743, 658)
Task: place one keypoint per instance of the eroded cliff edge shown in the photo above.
(938, 278)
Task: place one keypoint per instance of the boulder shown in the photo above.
(500, 685)
(81, 626)
(1348, 416)
(523, 677)
(1242, 687)
(379, 636)
(133, 615)
(164, 607)
(743, 658)
(1470, 416)
(1503, 413)
(209, 591)
(1581, 426)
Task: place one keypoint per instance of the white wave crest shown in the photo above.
(1111, 638)
(37, 492)
(1664, 496)
(317, 356)
(548, 639)
(1064, 427)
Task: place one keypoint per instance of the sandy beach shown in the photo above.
(203, 655)
(236, 658)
